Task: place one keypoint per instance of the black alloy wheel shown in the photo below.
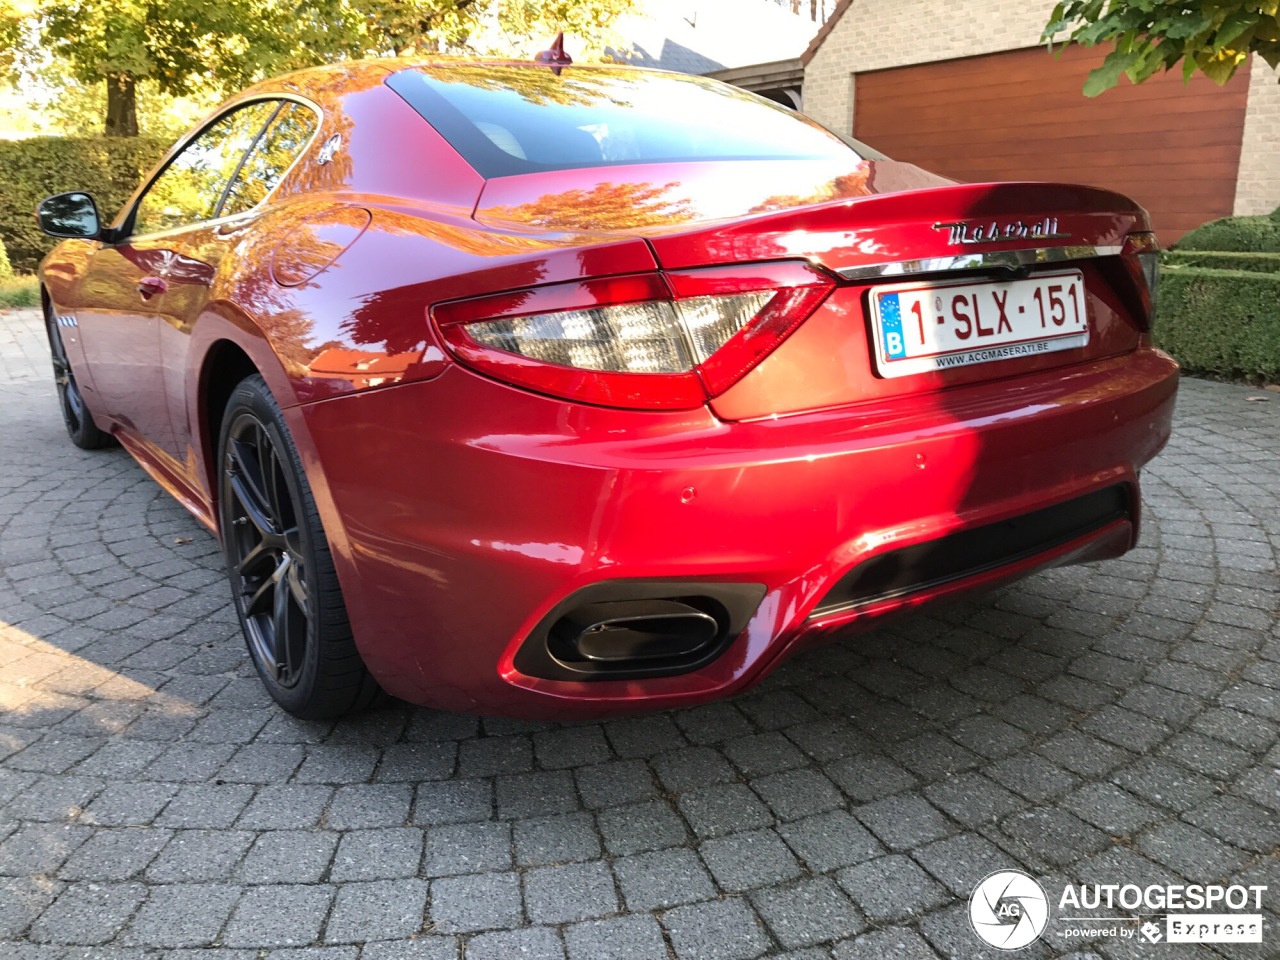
(282, 577)
(82, 430)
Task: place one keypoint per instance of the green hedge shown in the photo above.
(1224, 323)
(30, 170)
(6, 268)
(1235, 235)
(1248, 262)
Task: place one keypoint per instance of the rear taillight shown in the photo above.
(1141, 256)
(647, 340)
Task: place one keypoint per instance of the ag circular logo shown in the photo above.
(1008, 910)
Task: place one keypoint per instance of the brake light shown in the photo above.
(1141, 257)
(646, 341)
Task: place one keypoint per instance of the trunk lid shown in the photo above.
(901, 241)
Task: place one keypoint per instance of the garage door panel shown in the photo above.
(1020, 115)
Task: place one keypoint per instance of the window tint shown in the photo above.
(286, 137)
(511, 119)
(191, 186)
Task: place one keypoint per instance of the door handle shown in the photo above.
(148, 287)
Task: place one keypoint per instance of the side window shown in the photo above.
(286, 137)
(191, 186)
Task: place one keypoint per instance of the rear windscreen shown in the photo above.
(508, 120)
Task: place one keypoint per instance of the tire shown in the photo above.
(82, 430)
(282, 577)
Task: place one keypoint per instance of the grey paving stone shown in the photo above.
(88, 913)
(377, 855)
(725, 808)
(623, 938)
(643, 736)
(764, 753)
(416, 762)
(691, 768)
(22, 899)
(467, 848)
(435, 947)
(264, 763)
(379, 909)
(561, 839)
(208, 806)
(36, 848)
(129, 804)
(182, 915)
(892, 888)
(1190, 851)
(284, 915)
(536, 794)
(664, 878)
(831, 840)
(565, 894)
(797, 793)
(452, 801)
(615, 784)
(289, 806)
(367, 805)
(486, 901)
(288, 856)
(490, 756)
(571, 747)
(744, 861)
(866, 777)
(903, 822)
(1054, 835)
(531, 943)
(194, 856)
(115, 854)
(960, 862)
(892, 943)
(809, 912)
(645, 826)
(972, 799)
(1109, 808)
(720, 930)
(53, 798)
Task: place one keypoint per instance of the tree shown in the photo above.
(180, 47)
(1212, 36)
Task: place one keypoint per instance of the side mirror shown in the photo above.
(69, 215)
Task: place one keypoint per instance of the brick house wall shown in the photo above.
(874, 34)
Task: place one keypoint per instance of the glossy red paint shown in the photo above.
(462, 503)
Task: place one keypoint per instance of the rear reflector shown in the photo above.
(1141, 256)
(648, 341)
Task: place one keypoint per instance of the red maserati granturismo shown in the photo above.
(562, 391)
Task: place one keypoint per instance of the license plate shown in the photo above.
(919, 327)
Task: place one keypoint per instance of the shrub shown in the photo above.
(20, 292)
(1248, 262)
(6, 269)
(1235, 235)
(109, 168)
(1221, 322)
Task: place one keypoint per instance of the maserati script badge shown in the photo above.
(962, 232)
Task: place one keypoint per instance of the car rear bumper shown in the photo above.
(462, 511)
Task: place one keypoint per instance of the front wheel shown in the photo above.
(82, 430)
(282, 576)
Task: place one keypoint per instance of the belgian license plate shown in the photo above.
(919, 327)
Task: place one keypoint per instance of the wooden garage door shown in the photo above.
(1174, 148)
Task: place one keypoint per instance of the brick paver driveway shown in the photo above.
(1115, 723)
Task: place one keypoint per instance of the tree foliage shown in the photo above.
(1212, 36)
(183, 47)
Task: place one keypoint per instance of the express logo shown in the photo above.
(1008, 910)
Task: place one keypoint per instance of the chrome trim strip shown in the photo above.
(999, 260)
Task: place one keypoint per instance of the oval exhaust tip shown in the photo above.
(632, 630)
